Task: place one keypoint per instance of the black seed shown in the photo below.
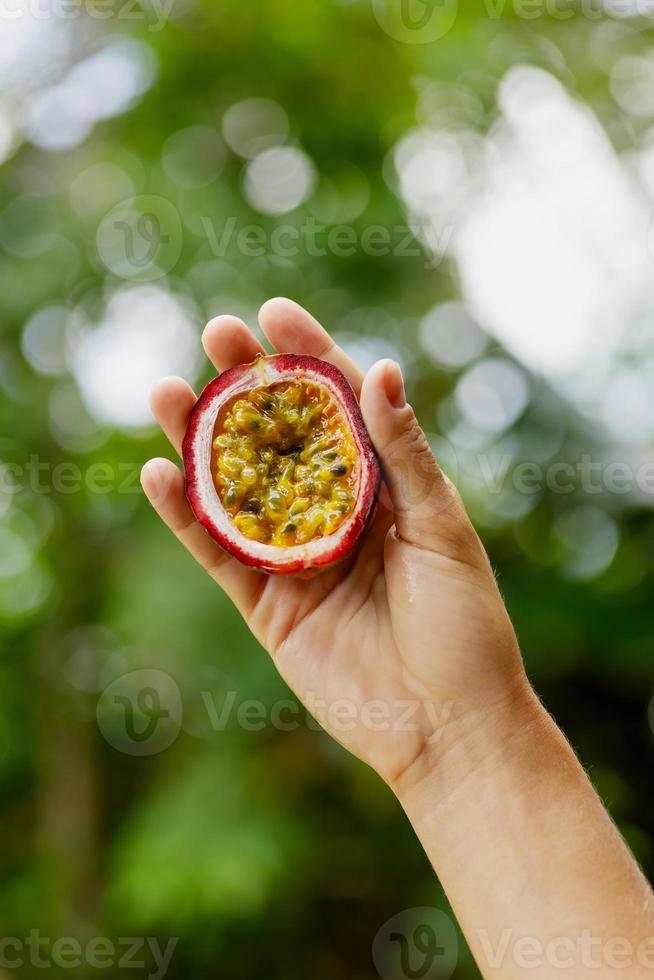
(339, 470)
(289, 528)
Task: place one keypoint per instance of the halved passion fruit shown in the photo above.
(279, 465)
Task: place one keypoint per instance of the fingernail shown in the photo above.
(147, 468)
(394, 385)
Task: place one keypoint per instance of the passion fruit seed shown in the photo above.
(285, 464)
(272, 491)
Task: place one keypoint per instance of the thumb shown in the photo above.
(428, 510)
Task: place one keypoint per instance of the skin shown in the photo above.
(423, 680)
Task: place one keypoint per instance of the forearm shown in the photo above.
(537, 874)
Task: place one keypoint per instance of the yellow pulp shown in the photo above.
(285, 464)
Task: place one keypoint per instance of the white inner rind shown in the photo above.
(261, 374)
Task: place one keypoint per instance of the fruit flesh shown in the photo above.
(284, 463)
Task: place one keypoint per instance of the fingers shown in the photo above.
(290, 328)
(171, 401)
(228, 341)
(163, 484)
(428, 511)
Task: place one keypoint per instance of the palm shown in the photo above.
(331, 639)
(348, 643)
(382, 648)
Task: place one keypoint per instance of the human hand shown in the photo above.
(404, 647)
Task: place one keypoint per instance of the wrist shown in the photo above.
(476, 745)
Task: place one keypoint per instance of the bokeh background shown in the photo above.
(469, 191)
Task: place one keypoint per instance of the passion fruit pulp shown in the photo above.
(279, 466)
(285, 465)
